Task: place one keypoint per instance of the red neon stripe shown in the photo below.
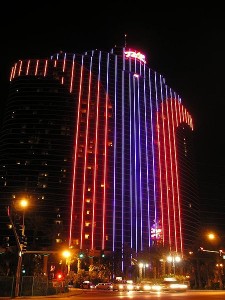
(175, 185)
(64, 63)
(160, 178)
(11, 74)
(28, 67)
(95, 169)
(45, 68)
(75, 156)
(20, 67)
(176, 112)
(36, 68)
(179, 110)
(166, 172)
(72, 77)
(105, 170)
(85, 163)
(171, 175)
(15, 70)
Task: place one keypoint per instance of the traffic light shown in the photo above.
(23, 243)
(81, 255)
(59, 276)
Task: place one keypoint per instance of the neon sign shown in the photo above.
(135, 55)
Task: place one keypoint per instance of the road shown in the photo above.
(78, 294)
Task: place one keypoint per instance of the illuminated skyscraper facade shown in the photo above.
(107, 150)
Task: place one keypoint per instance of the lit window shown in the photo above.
(86, 236)
(87, 224)
(89, 189)
(88, 200)
(88, 212)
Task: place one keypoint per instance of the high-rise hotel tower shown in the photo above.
(103, 149)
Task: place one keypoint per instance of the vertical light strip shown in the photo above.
(106, 153)
(115, 155)
(176, 113)
(140, 161)
(166, 169)
(160, 161)
(178, 196)
(64, 63)
(153, 157)
(72, 74)
(20, 67)
(180, 120)
(176, 171)
(28, 67)
(95, 157)
(130, 164)
(176, 187)
(45, 68)
(135, 165)
(171, 170)
(63, 68)
(147, 162)
(75, 152)
(122, 170)
(36, 68)
(85, 154)
(12, 73)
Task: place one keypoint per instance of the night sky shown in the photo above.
(186, 46)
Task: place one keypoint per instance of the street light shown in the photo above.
(174, 259)
(67, 255)
(142, 267)
(23, 203)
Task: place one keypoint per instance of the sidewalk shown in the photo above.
(72, 292)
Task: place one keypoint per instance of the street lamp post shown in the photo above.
(142, 270)
(67, 256)
(23, 204)
(173, 259)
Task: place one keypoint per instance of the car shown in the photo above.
(124, 285)
(87, 285)
(104, 286)
(172, 285)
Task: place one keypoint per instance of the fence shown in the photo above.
(31, 286)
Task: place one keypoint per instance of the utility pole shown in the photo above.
(20, 252)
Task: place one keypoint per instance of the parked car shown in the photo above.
(104, 286)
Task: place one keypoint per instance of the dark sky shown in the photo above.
(186, 46)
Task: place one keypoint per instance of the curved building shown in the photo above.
(103, 146)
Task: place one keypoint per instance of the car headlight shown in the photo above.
(156, 288)
(147, 287)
